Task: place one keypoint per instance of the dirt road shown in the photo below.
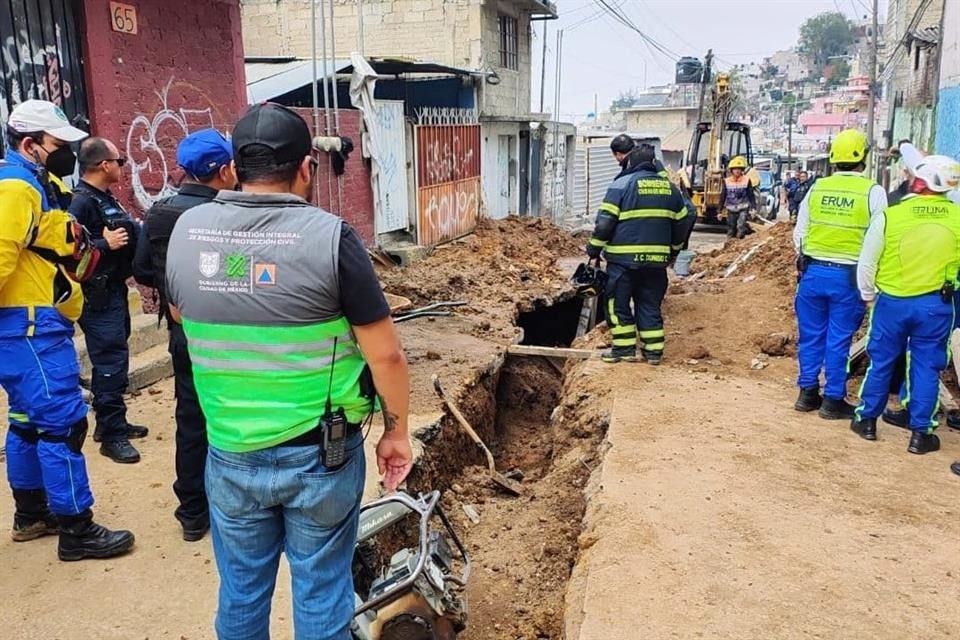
(732, 516)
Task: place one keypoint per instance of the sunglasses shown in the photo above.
(120, 161)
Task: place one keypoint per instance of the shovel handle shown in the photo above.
(438, 387)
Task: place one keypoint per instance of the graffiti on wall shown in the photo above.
(448, 181)
(153, 138)
(34, 73)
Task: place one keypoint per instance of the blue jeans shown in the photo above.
(921, 326)
(829, 312)
(284, 499)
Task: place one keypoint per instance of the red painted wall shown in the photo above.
(183, 71)
(353, 188)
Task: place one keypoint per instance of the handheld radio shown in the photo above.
(333, 424)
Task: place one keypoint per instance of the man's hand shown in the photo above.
(594, 252)
(394, 459)
(116, 238)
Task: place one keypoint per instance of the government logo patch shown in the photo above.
(209, 263)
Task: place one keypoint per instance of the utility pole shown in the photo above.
(704, 80)
(790, 137)
(872, 103)
(543, 66)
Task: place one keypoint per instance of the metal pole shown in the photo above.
(333, 55)
(360, 26)
(326, 71)
(790, 139)
(313, 44)
(556, 126)
(872, 104)
(543, 67)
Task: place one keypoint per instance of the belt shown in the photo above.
(314, 437)
(827, 263)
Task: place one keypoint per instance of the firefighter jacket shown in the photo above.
(642, 221)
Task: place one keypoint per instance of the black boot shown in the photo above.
(921, 443)
(866, 428)
(809, 400)
(33, 518)
(899, 418)
(120, 451)
(620, 354)
(81, 537)
(955, 467)
(836, 409)
(136, 431)
(953, 419)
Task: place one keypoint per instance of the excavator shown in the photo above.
(713, 144)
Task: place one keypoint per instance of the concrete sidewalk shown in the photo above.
(719, 512)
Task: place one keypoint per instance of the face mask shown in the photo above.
(61, 162)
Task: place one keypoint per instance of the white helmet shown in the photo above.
(940, 173)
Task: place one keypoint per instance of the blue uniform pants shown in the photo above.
(106, 328)
(904, 394)
(920, 325)
(42, 380)
(829, 312)
(645, 287)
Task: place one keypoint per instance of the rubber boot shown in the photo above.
(921, 443)
(81, 537)
(866, 428)
(840, 409)
(32, 518)
(899, 418)
(808, 400)
(620, 354)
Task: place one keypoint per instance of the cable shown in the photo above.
(889, 66)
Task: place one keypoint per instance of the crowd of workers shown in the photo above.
(281, 339)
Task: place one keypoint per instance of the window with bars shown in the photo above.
(508, 42)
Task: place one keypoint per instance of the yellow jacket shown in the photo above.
(35, 293)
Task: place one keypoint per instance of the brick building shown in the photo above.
(491, 39)
(143, 75)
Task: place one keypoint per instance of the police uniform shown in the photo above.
(39, 302)
(911, 257)
(106, 314)
(642, 224)
(201, 154)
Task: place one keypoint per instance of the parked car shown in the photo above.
(769, 199)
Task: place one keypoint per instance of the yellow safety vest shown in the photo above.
(839, 216)
(921, 246)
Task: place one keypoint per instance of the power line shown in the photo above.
(894, 58)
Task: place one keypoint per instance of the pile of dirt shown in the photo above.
(505, 267)
(767, 254)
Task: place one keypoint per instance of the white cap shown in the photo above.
(33, 116)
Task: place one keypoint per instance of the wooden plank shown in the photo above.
(588, 316)
(552, 352)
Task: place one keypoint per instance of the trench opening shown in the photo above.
(553, 325)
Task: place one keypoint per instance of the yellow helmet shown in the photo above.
(738, 162)
(849, 147)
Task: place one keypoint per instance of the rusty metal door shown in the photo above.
(448, 175)
(40, 56)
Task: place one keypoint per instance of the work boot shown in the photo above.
(832, 409)
(653, 358)
(866, 428)
(120, 451)
(81, 537)
(899, 418)
(195, 533)
(134, 432)
(32, 518)
(921, 443)
(808, 400)
(953, 419)
(620, 354)
(955, 467)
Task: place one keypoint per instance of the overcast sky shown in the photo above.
(603, 57)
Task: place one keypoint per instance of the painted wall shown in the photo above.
(500, 142)
(948, 109)
(181, 72)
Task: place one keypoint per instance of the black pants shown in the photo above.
(106, 328)
(645, 288)
(191, 455)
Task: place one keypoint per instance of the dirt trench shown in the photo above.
(535, 418)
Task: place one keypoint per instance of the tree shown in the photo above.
(837, 73)
(624, 100)
(825, 36)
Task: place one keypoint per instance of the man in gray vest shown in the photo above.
(291, 340)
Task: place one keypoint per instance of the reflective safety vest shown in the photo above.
(839, 216)
(921, 250)
(738, 193)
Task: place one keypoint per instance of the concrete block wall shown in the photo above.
(512, 95)
(352, 197)
(181, 72)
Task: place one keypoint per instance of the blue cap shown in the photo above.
(203, 152)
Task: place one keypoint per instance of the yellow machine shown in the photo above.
(713, 145)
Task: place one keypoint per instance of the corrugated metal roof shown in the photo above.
(929, 36)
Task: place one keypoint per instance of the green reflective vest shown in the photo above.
(839, 216)
(921, 250)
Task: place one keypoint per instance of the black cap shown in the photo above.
(269, 135)
(622, 144)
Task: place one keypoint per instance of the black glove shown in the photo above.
(594, 251)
